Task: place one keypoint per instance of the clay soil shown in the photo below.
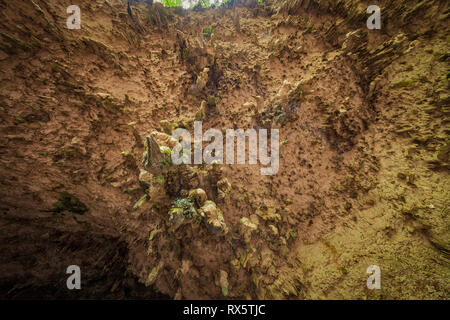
(364, 150)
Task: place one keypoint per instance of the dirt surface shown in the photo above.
(364, 150)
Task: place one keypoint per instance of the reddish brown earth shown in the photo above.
(364, 150)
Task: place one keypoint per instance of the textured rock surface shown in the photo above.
(364, 150)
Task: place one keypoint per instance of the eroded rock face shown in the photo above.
(191, 219)
(247, 227)
(182, 214)
(223, 188)
(152, 157)
(214, 217)
(196, 208)
(153, 184)
(283, 107)
(164, 140)
(351, 102)
(194, 52)
(167, 126)
(198, 196)
(145, 178)
(202, 79)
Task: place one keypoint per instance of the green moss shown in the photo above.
(140, 202)
(279, 118)
(208, 32)
(152, 234)
(309, 26)
(212, 101)
(225, 291)
(343, 270)
(68, 202)
(186, 205)
(293, 234)
(153, 274)
(403, 84)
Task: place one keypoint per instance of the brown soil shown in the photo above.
(364, 158)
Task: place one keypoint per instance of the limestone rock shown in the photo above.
(198, 196)
(202, 78)
(145, 178)
(248, 224)
(250, 106)
(353, 40)
(152, 156)
(140, 202)
(157, 192)
(167, 126)
(176, 218)
(284, 90)
(273, 229)
(153, 274)
(247, 227)
(223, 188)
(214, 217)
(163, 139)
(223, 281)
(200, 84)
(200, 114)
(268, 213)
(259, 102)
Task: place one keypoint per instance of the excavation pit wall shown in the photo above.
(77, 106)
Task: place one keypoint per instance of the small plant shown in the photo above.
(172, 3)
(159, 179)
(208, 32)
(187, 206)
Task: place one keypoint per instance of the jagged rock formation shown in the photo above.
(87, 178)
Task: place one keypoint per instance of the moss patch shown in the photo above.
(68, 202)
